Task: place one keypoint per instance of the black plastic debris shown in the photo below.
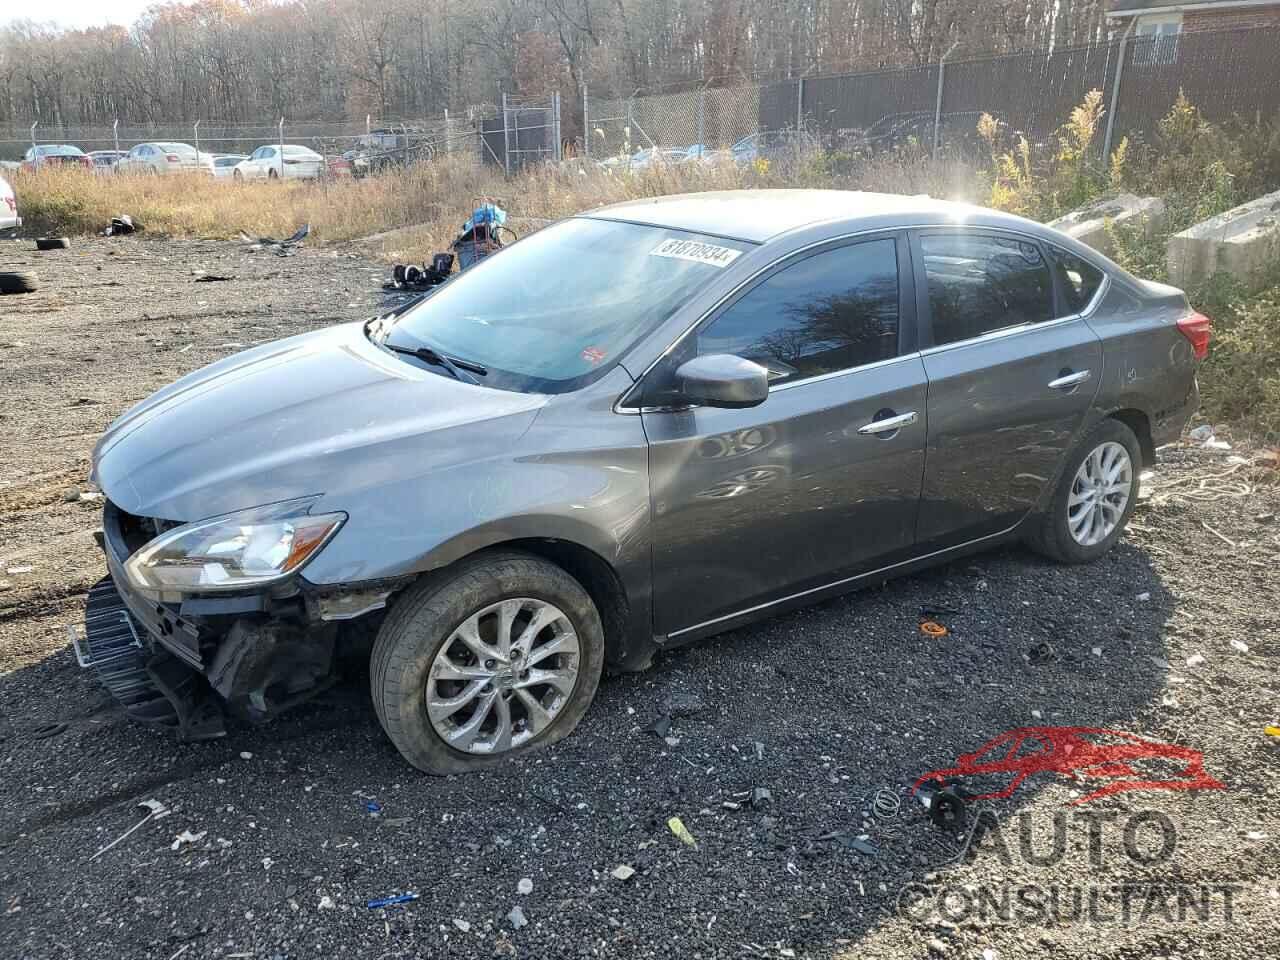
(412, 276)
(660, 726)
(212, 278)
(283, 248)
(120, 225)
(854, 843)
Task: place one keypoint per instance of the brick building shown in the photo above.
(1163, 21)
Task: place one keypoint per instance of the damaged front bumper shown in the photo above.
(180, 660)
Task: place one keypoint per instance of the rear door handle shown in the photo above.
(888, 424)
(1069, 380)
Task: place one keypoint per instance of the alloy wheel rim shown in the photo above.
(1099, 494)
(503, 676)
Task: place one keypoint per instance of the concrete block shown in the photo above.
(1088, 224)
(1244, 242)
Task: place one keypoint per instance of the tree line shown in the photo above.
(242, 61)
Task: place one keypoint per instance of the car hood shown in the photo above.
(321, 413)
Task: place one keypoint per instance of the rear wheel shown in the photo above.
(1094, 498)
(500, 657)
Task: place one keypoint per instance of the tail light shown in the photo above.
(1197, 328)
(173, 158)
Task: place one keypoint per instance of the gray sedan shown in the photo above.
(632, 429)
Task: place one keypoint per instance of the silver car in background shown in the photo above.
(632, 429)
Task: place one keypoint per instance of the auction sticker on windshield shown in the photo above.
(696, 251)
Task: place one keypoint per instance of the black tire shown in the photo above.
(18, 283)
(52, 243)
(423, 619)
(1049, 533)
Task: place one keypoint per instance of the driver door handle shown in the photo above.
(888, 424)
(1069, 380)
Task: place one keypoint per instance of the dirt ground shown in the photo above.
(835, 710)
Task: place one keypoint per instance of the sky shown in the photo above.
(76, 13)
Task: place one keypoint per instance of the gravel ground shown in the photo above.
(844, 700)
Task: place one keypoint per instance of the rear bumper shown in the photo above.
(1167, 425)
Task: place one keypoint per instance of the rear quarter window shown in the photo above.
(1079, 280)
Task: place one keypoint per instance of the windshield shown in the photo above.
(560, 308)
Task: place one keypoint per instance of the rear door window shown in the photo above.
(832, 311)
(978, 283)
(1078, 280)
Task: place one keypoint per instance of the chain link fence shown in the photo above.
(1226, 74)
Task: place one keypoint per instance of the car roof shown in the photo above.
(759, 215)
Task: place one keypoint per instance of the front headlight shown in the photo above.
(236, 551)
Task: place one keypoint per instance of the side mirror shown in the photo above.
(722, 380)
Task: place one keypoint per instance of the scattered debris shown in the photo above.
(283, 248)
(932, 628)
(25, 568)
(157, 811)
(886, 804)
(212, 278)
(516, 916)
(524, 887)
(120, 225)
(761, 798)
(373, 807)
(759, 750)
(246, 755)
(1195, 660)
(1201, 433)
(326, 903)
(1272, 731)
(1239, 645)
(18, 283)
(623, 872)
(730, 805)
(1144, 596)
(858, 844)
(679, 705)
(676, 825)
(52, 243)
(659, 728)
(391, 901)
(1097, 651)
(462, 925)
(44, 731)
(185, 837)
(1227, 541)
(1042, 652)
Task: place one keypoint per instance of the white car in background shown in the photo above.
(163, 158)
(224, 164)
(104, 161)
(268, 163)
(9, 219)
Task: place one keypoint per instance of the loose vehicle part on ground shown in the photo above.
(632, 429)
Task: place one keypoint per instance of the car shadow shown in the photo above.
(824, 708)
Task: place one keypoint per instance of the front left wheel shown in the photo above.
(492, 660)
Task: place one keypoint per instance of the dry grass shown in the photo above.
(408, 215)
(433, 199)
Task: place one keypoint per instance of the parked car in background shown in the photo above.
(165, 158)
(772, 145)
(380, 150)
(224, 164)
(273, 161)
(54, 155)
(9, 219)
(647, 424)
(340, 166)
(104, 161)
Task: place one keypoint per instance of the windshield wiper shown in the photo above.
(453, 365)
